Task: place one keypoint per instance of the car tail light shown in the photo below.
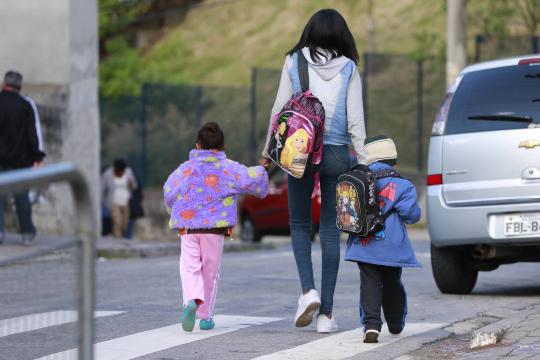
(434, 179)
(529, 61)
(442, 115)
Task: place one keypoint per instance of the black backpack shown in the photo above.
(358, 212)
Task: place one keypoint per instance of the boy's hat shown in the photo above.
(380, 148)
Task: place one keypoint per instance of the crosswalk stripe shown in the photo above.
(423, 254)
(33, 322)
(344, 345)
(151, 341)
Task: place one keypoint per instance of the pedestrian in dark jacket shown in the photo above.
(381, 258)
(19, 147)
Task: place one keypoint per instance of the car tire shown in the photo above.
(452, 273)
(249, 232)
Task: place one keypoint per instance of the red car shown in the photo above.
(270, 216)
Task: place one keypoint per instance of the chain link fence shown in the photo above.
(401, 96)
(491, 48)
(156, 130)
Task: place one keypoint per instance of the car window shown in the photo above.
(506, 90)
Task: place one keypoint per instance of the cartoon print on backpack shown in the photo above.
(276, 143)
(294, 155)
(347, 207)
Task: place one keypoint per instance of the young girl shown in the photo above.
(330, 51)
(201, 197)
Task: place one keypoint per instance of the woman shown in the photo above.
(118, 183)
(330, 50)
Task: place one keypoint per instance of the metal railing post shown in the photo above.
(253, 125)
(14, 181)
(420, 114)
(87, 230)
(144, 142)
(477, 47)
(534, 44)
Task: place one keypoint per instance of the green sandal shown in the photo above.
(188, 316)
(207, 324)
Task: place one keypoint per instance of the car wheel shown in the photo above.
(452, 273)
(249, 232)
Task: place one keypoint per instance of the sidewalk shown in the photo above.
(116, 248)
(517, 325)
(521, 339)
(122, 248)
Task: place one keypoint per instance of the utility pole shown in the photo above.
(456, 38)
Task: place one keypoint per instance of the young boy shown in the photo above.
(201, 197)
(381, 259)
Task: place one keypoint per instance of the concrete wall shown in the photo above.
(35, 39)
(54, 44)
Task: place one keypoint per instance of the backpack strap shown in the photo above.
(303, 71)
(387, 173)
(388, 214)
(384, 174)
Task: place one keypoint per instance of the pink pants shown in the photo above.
(200, 265)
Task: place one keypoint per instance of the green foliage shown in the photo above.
(529, 11)
(219, 44)
(493, 16)
(428, 45)
(115, 15)
(119, 73)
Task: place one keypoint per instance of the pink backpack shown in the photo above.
(296, 143)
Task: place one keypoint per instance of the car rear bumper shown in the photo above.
(470, 225)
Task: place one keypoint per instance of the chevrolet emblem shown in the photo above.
(529, 144)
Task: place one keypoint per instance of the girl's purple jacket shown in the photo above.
(202, 192)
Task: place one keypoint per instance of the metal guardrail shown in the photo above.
(18, 180)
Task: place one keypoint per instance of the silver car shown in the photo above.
(483, 193)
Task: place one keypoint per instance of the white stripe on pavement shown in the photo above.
(151, 341)
(423, 254)
(344, 345)
(42, 320)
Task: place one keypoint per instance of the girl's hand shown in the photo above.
(264, 162)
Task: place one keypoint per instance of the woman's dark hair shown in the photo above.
(119, 165)
(211, 137)
(327, 30)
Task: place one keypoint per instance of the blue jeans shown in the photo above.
(336, 161)
(24, 213)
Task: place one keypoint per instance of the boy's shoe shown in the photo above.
(326, 325)
(395, 330)
(28, 239)
(188, 316)
(371, 337)
(206, 324)
(307, 305)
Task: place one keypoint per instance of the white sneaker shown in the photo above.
(326, 325)
(307, 305)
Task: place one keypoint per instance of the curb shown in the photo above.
(132, 249)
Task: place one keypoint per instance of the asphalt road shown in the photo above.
(139, 302)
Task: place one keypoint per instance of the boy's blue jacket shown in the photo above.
(394, 249)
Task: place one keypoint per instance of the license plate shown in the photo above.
(522, 224)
